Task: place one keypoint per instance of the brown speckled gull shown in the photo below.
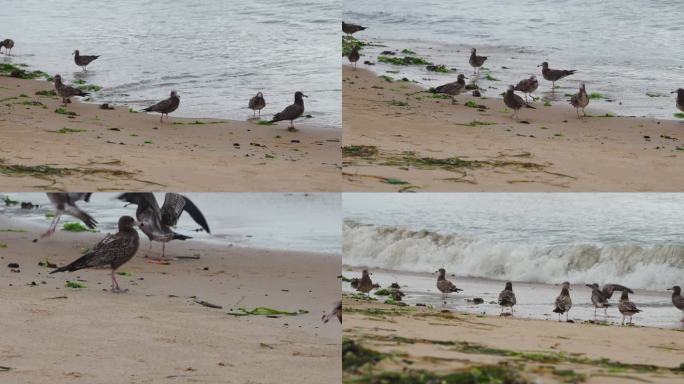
(165, 106)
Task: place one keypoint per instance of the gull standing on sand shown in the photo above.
(336, 312)
(527, 86)
(554, 75)
(65, 203)
(680, 98)
(507, 297)
(452, 89)
(83, 61)
(66, 91)
(354, 56)
(8, 44)
(365, 284)
(580, 100)
(445, 286)
(156, 222)
(476, 61)
(627, 308)
(165, 106)
(514, 101)
(113, 251)
(599, 297)
(563, 301)
(351, 29)
(677, 299)
(257, 103)
(292, 111)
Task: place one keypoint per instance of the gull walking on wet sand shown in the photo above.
(507, 298)
(8, 44)
(678, 299)
(527, 86)
(66, 91)
(113, 251)
(580, 100)
(354, 56)
(165, 106)
(627, 308)
(365, 284)
(563, 301)
(514, 101)
(351, 29)
(83, 61)
(476, 61)
(292, 111)
(65, 203)
(452, 89)
(445, 286)
(257, 103)
(336, 312)
(156, 223)
(680, 99)
(554, 75)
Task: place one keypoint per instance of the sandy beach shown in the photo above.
(157, 332)
(397, 138)
(425, 343)
(98, 149)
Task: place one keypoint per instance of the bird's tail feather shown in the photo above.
(79, 263)
(178, 236)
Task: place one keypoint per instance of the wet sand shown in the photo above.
(418, 339)
(414, 142)
(118, 150)
(156, 332)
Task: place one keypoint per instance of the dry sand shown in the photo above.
(411, 337)
(120, 150)
(554, 151)
(156, 333)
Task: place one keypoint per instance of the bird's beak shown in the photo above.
(305, 95)
(588, 285)
(539, 65)
(673, 92)
(670, 289)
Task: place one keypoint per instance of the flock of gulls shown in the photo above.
(563, 303)
(579, 100)
(170, 104)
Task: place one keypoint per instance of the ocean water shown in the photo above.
(631, 239)
(216, 54)
(283, 221)
(622, 49)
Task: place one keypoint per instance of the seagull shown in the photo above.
(452, 89)
(678, 299)
(680, 98)
(351, 29)
(527, 86)
(354, 56)
(476, 61)
(66, 91)
(113, 251)
(580, 100)
(165, 106)
(337, 311)
(292, 111)
(83, 61)
(365, 284)
(445, 286)
(65, 203)
(627, 308)
(156, 223)
(563, 302)
(514, 101)
(554, 75)
(507, 297)
(257, 103)
(8, 44)
(600, 297)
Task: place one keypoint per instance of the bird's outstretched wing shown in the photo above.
(175, 204)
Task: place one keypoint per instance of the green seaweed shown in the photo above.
(679, 115)
(131, 110)
(74, 284)
(9, 201)
(76, 227)
(12, 230)
(387, 78)
(265, 122)
(395, 181)
(3, 245)
(491, 78)
(69, 130)
(355, 356)
(596, 95)
(398, 103)
(405, 60)
(64, 111)
(476, 123)
(360, 150)
(124, 273)
(407, 51)
(90, 87)
(264, 311)
(547, 104)
(49, 93)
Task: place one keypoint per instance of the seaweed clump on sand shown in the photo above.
(355, 356)
(405, 60)
(360, 150)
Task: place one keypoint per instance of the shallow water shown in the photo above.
(632, 239)
(298, 222)
(534, 301)
(216, 54)
(621, 48)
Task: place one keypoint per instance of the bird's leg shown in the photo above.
(53, 226)
(577, 110)
(163, 256)
(115, 284)
(583, 112)
(623, 319)
(161, 118)
(566, 315)
(260, 113)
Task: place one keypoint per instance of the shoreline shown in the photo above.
(157, 330)
(83, 147)
(397, 137)
(410, 341)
